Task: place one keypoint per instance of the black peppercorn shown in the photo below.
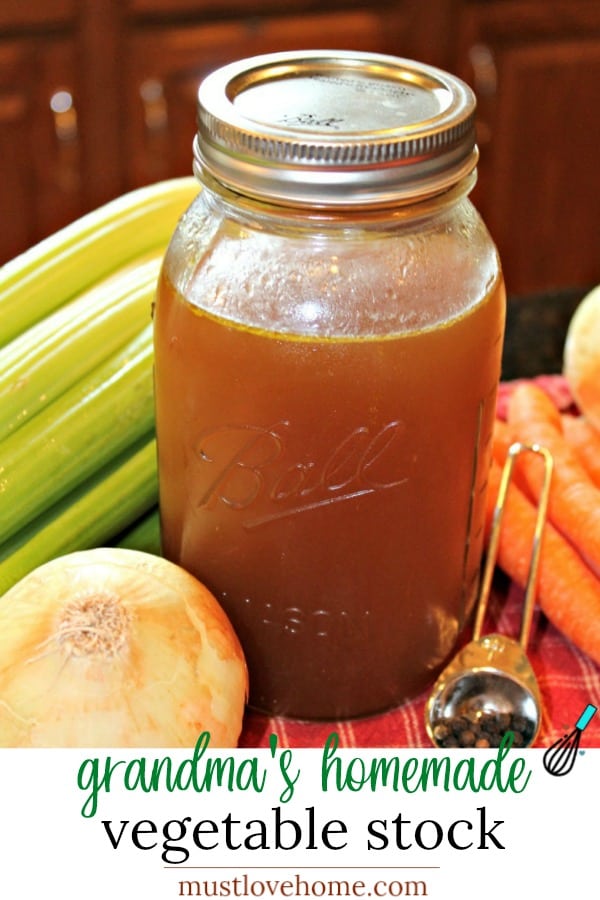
(483, 729)
(441, 732)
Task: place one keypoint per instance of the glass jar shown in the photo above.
(328, 335)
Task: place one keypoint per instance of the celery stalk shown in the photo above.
(58, 268)
(98, 509)
(51, 356)
(143, 534)
(83, 429)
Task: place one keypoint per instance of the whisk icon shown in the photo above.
(559, 758)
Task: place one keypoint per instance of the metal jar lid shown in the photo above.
(334, 128)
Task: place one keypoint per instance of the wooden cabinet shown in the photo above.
(536, 70)
(165, 66)
(40, 145)
(97, 97)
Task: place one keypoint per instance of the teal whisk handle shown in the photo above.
(584, 719)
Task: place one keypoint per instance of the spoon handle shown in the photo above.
(492, 553)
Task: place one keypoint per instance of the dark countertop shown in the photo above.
(536, 328)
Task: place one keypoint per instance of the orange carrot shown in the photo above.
(585, 442)
(568, 592)
(574, 505)
(502, 438)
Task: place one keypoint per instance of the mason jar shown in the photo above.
(328, 335)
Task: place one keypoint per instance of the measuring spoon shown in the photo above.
(492, 674)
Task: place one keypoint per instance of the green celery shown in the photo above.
(143, 534)
(51, 356)
(99, 508)
(83, 429)
(58, 268)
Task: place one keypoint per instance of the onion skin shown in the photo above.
(581, 356)
(117, 648)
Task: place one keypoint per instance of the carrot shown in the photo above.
(585, 442)
(568, 592)
(502, 438)
(574, 504)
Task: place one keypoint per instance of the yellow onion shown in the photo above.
(117, 648)
(581, 360)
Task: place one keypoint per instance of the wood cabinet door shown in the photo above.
(536, 70)
(165, 66)
(39, 141)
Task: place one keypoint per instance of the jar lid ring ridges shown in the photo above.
(373, 151)
(276, 124)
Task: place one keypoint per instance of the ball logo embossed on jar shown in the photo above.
(242, 464)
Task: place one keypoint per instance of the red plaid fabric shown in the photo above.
(568, 679)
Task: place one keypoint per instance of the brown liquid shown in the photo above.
(330, 493)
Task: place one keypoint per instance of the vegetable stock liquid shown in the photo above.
(329, 490)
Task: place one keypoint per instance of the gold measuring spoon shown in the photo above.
(492, 674)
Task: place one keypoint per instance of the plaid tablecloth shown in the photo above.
(568, 679)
